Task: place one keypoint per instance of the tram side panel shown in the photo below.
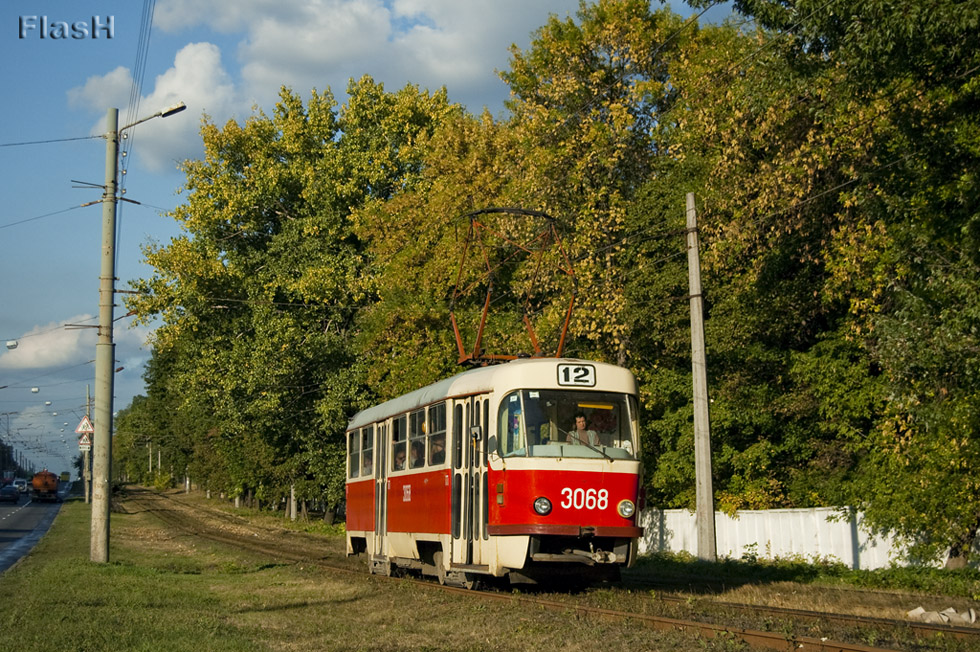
(360, 514)
(418, 510)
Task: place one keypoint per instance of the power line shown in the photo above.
(38, 217)
(53, 140)
(50, 330)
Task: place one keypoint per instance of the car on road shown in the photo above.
(21, 485)
(9, 493)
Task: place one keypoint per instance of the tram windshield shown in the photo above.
(567, 423)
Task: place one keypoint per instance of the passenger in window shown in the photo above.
(438, 453)
(416, 456)
(400, 459)
(581, 433)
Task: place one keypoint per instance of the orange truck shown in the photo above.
(45, 485)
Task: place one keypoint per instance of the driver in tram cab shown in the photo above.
(367, 469)
(581, 434)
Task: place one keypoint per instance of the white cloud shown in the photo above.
(307, 44)
(175, 15)
(98, 92)
(58, 362)
(197, 78)
(52, 345)
(329, 40)
(59, 345)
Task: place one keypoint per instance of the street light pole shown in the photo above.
(105, 348)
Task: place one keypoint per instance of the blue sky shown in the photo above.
(221, 59)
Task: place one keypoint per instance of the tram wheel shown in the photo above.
(382, 567)
(462, 579)
(470, 581)
(440, 569)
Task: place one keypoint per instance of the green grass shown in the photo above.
(964, 583)
(144, 599)
(162, 590)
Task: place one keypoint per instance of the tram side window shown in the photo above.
(353, 454)
(399, 437)
(510, 435)
(486, 429)
(416, 439)
(457, 435)
(367, 451)
(437, 434)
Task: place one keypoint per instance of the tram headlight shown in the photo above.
(542, 506)
(626, 508)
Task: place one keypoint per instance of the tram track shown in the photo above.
(760, 627)
(919, 630)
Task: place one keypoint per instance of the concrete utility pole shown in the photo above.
(705, 515)
(105, 348)
(105, 353)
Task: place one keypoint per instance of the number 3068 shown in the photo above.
(584, 498)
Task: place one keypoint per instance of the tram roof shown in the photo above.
(475, 381)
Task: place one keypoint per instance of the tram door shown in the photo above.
(469, 496)
(381, 491)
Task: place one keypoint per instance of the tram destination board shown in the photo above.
(576, 375)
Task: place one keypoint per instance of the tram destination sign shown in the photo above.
(576, 375)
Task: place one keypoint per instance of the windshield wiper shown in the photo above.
(569, 434)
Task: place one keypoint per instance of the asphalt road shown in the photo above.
(22, 526)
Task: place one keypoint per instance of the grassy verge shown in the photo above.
(963, 583)
(165, 591)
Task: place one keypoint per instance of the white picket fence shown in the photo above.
(809, 534)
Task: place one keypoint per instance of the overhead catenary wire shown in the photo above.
(133, 108)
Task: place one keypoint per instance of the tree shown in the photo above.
(585, 100)
(881, 135)
(259, 297)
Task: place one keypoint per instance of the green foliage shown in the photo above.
(259, 299)
(833, 152)
(586, 99)
(838, 213)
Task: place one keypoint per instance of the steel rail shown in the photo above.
(920, 629)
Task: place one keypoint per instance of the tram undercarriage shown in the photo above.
(578, 561)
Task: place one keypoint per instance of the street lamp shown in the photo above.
(6, 442)
(104, 348)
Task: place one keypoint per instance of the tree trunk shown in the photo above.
(959, 552)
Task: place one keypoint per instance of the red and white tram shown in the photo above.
(492, 473)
